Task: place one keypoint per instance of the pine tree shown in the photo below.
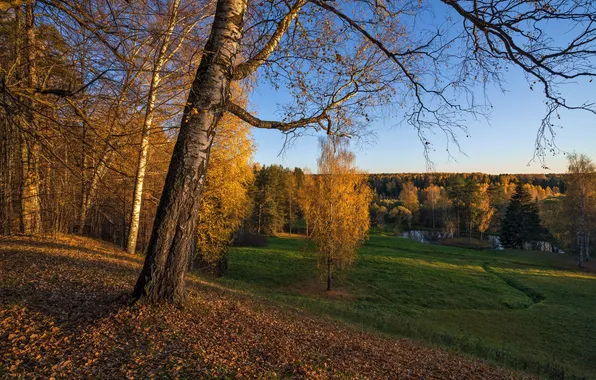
(521, 222)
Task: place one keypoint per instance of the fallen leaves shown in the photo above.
(69, 316)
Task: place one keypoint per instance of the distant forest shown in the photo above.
(455, 203)
(389, 185)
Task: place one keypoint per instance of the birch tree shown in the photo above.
(581, 196)
(168, 45)
(337, 208)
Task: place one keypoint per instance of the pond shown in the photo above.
(423, 236)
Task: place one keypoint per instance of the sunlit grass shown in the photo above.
(524, 309)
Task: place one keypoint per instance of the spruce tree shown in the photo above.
(521, 222)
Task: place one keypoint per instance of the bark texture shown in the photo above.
(169, 250)
(30, 202)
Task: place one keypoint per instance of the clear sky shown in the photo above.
(505, 144)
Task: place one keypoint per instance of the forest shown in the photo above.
(137, 222)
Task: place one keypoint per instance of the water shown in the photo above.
(423, 236)
(426, 236)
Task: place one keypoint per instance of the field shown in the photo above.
(522, 309)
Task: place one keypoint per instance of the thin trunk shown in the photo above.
(124, 216)
(433, 215)
(30, 203)
(581, 250)
(88, 198)
(582, 230)
(162, 277)
(329, 275)
(587, 245)
(83, 206)
(137, 200)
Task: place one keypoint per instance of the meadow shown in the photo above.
(527, 310)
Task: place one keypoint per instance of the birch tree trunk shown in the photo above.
(30, 202)
(137, 199)
(582, 229)
(90, 192)
(168, 253)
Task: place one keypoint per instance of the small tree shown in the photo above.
(521, 222)
(432, 195)
(399, 214)
(580, 201)
(409, 197)
(380, 218)
(485, 210)
(337, 208)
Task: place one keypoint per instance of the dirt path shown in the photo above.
(65, 313)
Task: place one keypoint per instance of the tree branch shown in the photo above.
(244, 115)
(246, 68)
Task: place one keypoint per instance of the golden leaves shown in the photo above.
(224, 201)
(335, 203)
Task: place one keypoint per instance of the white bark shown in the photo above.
(137, 199)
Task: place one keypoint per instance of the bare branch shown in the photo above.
(245, 69)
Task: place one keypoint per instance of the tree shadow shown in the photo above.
(53, 245)
(73, 290)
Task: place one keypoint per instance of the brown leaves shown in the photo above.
(217, 334)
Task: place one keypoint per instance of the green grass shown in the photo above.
(523, 309)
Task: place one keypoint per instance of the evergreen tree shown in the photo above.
(521, 222)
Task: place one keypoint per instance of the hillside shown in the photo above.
(65, 313)
(523, 309)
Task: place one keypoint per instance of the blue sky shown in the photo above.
(504, 144)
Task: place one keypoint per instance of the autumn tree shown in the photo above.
(380, 215)
(432, 195)
(225, 202)
(485, 210)
(399, 214)
(169, 32)
(409, 197)
(581, 201)
(337, 208)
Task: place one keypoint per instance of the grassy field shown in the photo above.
(527, 310)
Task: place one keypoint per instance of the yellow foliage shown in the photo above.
(225, 201)
(335, 204)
